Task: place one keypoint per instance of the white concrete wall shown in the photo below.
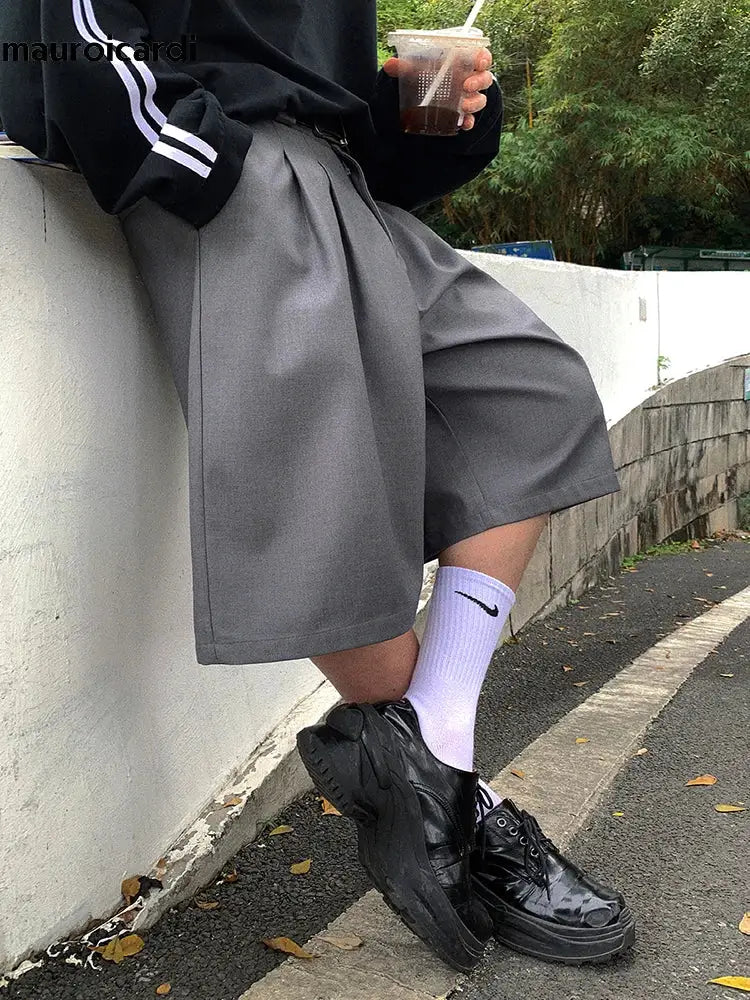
(112, 737)
(695, 319)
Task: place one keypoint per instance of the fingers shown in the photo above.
(483, 59)
(481, 79)
(474, 102)
(478, 81)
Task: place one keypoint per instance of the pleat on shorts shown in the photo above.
(358, 396)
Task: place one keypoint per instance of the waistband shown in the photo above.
(328, 127)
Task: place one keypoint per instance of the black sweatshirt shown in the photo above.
(178, 129)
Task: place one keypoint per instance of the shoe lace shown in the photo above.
(534, 841)
(535, 849)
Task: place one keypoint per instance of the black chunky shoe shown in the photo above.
(416, 821)
(541, 903)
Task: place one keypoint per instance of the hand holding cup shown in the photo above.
(480, 79)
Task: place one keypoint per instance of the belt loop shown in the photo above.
(313, 125)
(340, 140)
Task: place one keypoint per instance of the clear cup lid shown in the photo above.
(457, 36)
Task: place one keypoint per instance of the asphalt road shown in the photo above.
(217, 954)
(684, 868)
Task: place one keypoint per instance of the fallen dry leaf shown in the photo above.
(744, 924)
(288, 946)
(120, 948)
(329, 809)
(347, 942)
(301, 868)
(130, 888)
(725, 807)
(579, 684)
(518, 773)
(589, 633)
(567, 667)
(163, 989)
(736, 982)
(695, 544)
(131, 944)
(641, 752)
(230, 876)
(206, 904)
(112, 951)
(707, 573)
(702, 779)
(582, 739)
(277, 830)
(233, 800)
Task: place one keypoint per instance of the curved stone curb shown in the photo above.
(563, 782)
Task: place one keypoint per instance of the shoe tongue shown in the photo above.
(508, 805)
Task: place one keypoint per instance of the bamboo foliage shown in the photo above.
(640, 124)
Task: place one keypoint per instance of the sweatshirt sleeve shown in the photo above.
(413, 170)
(135, 127)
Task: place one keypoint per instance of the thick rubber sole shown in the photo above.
(391, 844)
(555, 943)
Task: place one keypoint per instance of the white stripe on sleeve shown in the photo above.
(140, 104)
(179, 157)
(190, 140)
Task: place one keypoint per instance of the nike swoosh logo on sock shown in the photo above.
(490, 611)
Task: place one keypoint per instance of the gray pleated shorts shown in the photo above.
(358, 396)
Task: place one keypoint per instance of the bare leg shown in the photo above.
(382, 671)
(503, 552)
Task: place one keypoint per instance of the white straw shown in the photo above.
(440, 76)
(474, 13)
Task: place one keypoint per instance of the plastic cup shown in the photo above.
(435, 65)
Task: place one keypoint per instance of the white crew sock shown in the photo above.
(466, 616)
